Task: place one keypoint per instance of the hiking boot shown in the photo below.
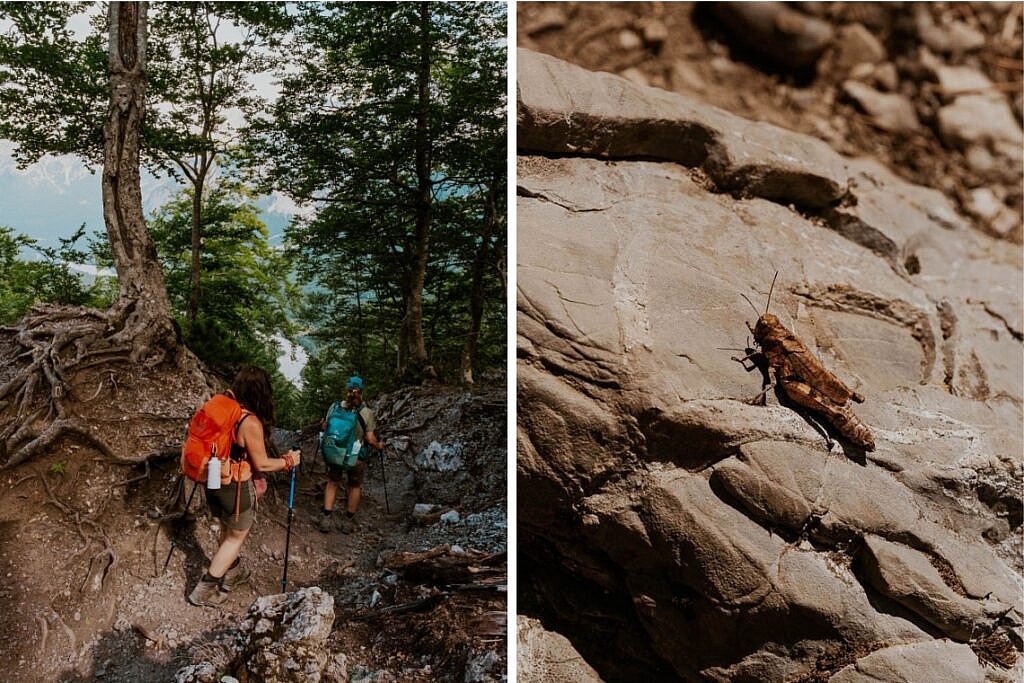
(347, 525)
(324, 524)
(207, 594)
(235, 576)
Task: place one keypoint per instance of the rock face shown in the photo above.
(546, 657)
(668, 525)
(283, 639)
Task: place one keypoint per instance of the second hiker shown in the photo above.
(348, 434)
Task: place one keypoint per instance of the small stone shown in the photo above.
(887, 77)
(450, 517)
(957, 80)
(858, 45)
(77, 616)
(629, 40)
(888, 111)
(723, 66)
(862, 72)
(374, 598)
(980, 159)
(984, 203)
(964, 38)
(978, 118)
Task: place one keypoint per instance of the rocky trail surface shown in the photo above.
(673, 527)
(932, 90)
(405, 597)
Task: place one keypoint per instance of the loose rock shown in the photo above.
(888, 111)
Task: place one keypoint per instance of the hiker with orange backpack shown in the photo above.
(349, 433)
(230, 434)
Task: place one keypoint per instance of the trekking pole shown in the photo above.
(384, 477)
(291, 512)
(174, 541)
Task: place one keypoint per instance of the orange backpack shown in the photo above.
(211, 432)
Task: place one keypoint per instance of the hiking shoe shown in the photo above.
(207, 594)
(235, 576)
(347, 525)
(324, 523)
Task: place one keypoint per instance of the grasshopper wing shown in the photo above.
(804, 364)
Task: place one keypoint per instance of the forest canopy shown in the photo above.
(383, 122)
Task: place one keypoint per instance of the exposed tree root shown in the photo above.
(66, 359)
(99, 533)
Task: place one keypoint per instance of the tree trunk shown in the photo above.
(197, 246)
(66, 357)
(138, 268)
(476, 292)
(420, 361)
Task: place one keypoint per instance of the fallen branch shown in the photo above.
(415, 606)
(135, 479)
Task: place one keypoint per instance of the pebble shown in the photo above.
(857, 45)
(77, 616)
(888, 111)
(450, 517)
(629, 40)
(984, 203)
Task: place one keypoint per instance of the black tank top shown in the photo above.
(238, 453)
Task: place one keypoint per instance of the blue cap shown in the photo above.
(355, 383)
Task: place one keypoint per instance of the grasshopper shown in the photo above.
(804, 379)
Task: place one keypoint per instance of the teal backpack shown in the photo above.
(340, 436)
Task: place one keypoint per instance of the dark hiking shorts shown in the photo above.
(355, 474)
(222, 505)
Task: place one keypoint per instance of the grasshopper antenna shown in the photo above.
(751, 304)
(770, 292)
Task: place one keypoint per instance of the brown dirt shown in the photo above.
(701, 59)
(995, 649)
(834, 659)
(63, 621)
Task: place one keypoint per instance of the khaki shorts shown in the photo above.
(222, 505)
(356, 474)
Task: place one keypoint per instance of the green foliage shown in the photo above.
(246, 284)
(54, 90)
(58, 468)
(51, 280)
(344, 137)
(53, 86)
(197, 75)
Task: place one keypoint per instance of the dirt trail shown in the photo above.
(66, 622)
